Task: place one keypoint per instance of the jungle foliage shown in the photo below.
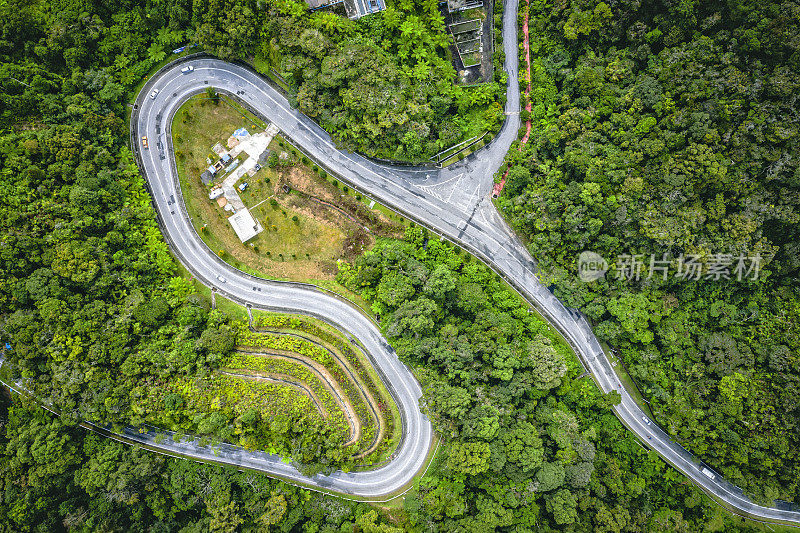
(55, 477)
(530, 441)
(382, 85)
(674, 128)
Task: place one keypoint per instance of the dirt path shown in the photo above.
(327, 380)
(347, 366)
(281, 379)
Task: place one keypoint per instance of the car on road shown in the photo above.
(646, 420)
(187, 70)
(154, 94)
(221, 279)
(708, 473)
(144, 142)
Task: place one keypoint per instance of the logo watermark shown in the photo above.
(635, 267)
(591, 266)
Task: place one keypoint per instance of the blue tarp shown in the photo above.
(241, 133)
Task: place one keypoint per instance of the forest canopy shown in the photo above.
(671, 131)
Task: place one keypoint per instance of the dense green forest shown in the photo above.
(93, 309)
(674, 128)
(60, 478)
(530, 444)
(382, 85)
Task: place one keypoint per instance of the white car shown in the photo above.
(646, 420)
(221, 279)
(154, 94)
(187, 70)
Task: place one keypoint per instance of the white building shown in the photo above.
(245, 226)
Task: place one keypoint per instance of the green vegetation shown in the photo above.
(657, 127)
(57, 477)
(292, 387)
(198, 125)
(382, 85)
(667, 129)
(303, 238)
(527, 444)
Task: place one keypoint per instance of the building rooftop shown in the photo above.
(358, 8)
(245, 226)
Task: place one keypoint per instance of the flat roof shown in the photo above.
(245, 226)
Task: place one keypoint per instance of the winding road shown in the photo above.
(454, 202)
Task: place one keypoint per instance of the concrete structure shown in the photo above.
(355, 9)
(463, 5)
(358, 8)
(245, 226)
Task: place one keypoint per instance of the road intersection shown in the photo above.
(454, 202)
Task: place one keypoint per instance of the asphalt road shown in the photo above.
(453, 201)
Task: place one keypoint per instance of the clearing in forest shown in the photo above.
(309, 220)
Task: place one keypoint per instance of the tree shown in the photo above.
(415, 316)
(550, 477)
(212, 94)
(469, 457)
(562, 505)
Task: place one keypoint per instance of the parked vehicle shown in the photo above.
(144, 142)
(154, 94)
(243, 186)
(187, 70)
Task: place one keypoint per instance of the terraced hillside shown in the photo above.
(292, 386)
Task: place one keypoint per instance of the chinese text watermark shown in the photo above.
(635, 267)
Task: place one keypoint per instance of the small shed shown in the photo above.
(207, 177)
(215, 193)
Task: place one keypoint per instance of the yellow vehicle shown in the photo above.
(144, 141)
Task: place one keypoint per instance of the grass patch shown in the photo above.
(303, 237)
